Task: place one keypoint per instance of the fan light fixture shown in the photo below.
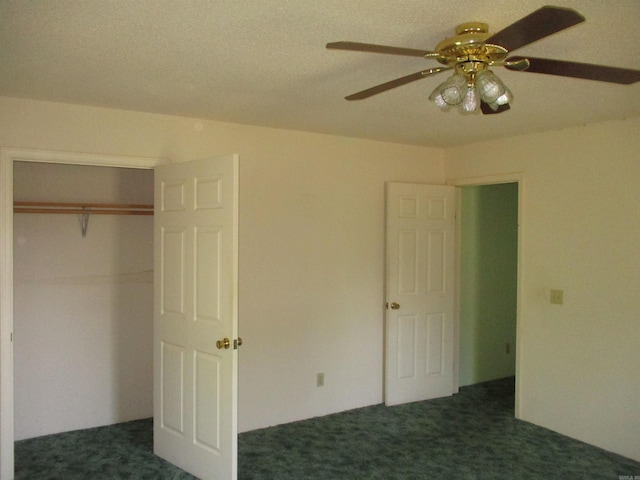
(472, 50)
(469, 54)
(471, 84)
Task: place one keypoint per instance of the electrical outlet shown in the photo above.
(507, 348)
(556, 297)
(320, 380)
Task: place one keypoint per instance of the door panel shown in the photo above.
(207, 388)
(407, 328)
(196, 255)
(420, 287)
(435, 343)
(407, 264)
(172, 388)
(172, 267)
(436, 252)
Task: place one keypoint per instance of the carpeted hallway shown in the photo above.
(472, 435)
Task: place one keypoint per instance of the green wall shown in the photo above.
(488, 276)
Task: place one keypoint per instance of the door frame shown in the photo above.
(516, 177)
(7, 157)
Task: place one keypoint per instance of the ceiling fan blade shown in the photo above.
(586, 71)
(383, 87)
(371, 48)
(539, 24)
(487, 110)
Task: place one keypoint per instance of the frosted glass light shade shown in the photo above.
(489, 86)
(470, 103)
(439, 101)
(450, 93)
(467, 92)
(454, 89)
(506, 97)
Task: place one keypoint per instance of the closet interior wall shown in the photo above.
(83, 306)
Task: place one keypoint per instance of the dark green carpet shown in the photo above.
(472, 435)
(118, 451)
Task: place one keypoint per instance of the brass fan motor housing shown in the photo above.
(469, 45)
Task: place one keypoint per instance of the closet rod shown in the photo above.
(81, 208)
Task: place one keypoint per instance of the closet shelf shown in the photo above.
(83, 208)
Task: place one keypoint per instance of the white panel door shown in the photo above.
(195, 306)
(420, 292)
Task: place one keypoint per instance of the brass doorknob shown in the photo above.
(395, 306)
(224, 343)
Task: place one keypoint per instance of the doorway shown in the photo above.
(83, 298)
(206, 183)
(513, 195)
(7, 158)
(488, 282)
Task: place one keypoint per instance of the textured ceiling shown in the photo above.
(263, 62)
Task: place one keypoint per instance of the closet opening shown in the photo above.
(83, 305)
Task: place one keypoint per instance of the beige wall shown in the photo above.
(311, 242)
(311, 247)
(581, 233)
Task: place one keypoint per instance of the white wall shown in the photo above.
(581, 233)
(83, 311)
(311, 242)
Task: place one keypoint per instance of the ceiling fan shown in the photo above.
(471, 52)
